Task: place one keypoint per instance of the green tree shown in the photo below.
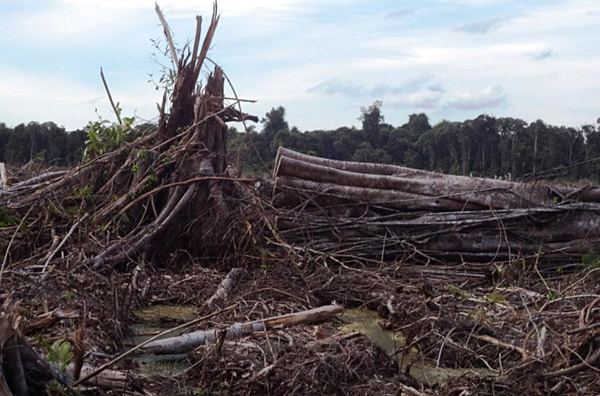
(371, 124)
(273, 122)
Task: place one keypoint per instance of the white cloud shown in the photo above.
(488, 98)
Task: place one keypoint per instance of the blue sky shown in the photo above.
(321, 59)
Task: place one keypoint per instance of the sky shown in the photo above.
(321, 59)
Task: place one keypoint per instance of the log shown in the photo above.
(189, 342)
(335, 194)
(483, 192)
(487, 193)
(112, 379)
(375, 211)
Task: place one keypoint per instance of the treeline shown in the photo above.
(45, 142)
(485, 146)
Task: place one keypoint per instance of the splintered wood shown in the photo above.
(378, 211)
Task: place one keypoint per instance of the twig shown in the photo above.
(232, 278)
(167, 34)
(573, 369)
(11, 241)
(135, 348)
(582, 329)
(495, 341)
(60, 245)
(110, 98)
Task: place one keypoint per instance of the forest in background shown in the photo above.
(485, 146)
(46, 142)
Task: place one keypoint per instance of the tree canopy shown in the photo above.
(484, 146)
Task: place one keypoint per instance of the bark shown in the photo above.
(295, 191)
(232, 278)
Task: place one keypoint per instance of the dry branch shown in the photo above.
(232, 278)
(190, 341)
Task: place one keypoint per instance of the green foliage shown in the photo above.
(458, 292)
(104, 136)
(55, 388)
(150, 184)
(59, 352)
(141, 156)
(480, 316)
(167, 73)
(46, 142)
(484, 146)
(6, 219)
(496, 298)
(83, 192)
(591, 260)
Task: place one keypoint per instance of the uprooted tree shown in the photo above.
(149, 196)
(139, 201)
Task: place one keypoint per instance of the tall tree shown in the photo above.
(371, 124)
(273, 122)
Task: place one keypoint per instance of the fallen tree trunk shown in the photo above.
(376, 211)
(190, 341)
(484, 193)
(111, 379)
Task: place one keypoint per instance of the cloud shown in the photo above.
(235, 8)
(481, 27)
(401, 13)
(335, 86)
(423, 100)
(350, 89)
(436, 88)
(472, 2)
(544, 54)
(488, 98)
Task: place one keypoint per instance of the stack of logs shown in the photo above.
(377, 212)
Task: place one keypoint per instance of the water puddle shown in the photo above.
(153, 320)
(368, 323)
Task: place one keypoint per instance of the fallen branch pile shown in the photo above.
(376, 211)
